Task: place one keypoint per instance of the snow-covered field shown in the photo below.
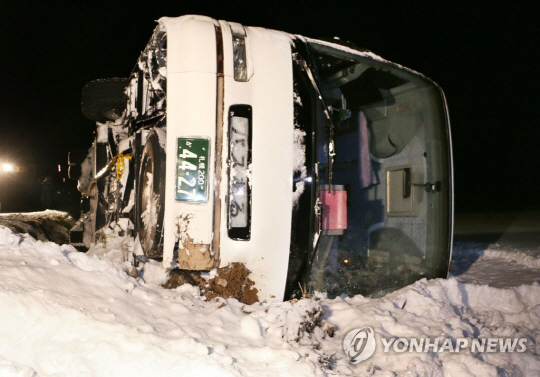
(67, 313)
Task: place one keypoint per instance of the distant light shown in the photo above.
(59, 168)
(345, 261)
(8, 168)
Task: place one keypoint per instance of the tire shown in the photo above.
(150, 197)
(104, 100)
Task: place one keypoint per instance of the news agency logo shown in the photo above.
(359, 344)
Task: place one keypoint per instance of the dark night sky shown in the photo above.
(483, 54)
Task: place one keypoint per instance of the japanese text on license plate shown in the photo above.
(192, 170)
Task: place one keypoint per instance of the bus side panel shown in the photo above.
(270, 93)
(191, 113)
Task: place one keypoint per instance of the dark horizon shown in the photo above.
(480, 54)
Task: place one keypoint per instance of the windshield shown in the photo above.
(380, 149)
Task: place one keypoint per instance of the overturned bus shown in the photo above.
(315, 164)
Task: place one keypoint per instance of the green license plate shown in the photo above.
(192, 170)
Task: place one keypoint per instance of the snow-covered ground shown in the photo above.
(67, 313)
(501, 249)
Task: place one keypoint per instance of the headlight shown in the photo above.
(8, 168)
(239, 53)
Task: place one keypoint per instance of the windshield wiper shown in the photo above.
(331, 126)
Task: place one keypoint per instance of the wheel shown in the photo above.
(150, 197)
(104, 100)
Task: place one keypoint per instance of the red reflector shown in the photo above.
(334, 211)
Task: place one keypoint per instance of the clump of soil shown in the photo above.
(233, 282)
(229, 282)
(181, 277)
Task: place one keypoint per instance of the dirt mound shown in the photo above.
(232, 281)
(181, 277)
(43, 226)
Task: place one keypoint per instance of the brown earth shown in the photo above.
(230, 282)
(43, 226)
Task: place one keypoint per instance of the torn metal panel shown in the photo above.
(192, 254)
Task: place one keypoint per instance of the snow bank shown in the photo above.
(447, 309)
(66, 313)
(47, 225)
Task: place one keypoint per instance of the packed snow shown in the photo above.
(67, 313)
